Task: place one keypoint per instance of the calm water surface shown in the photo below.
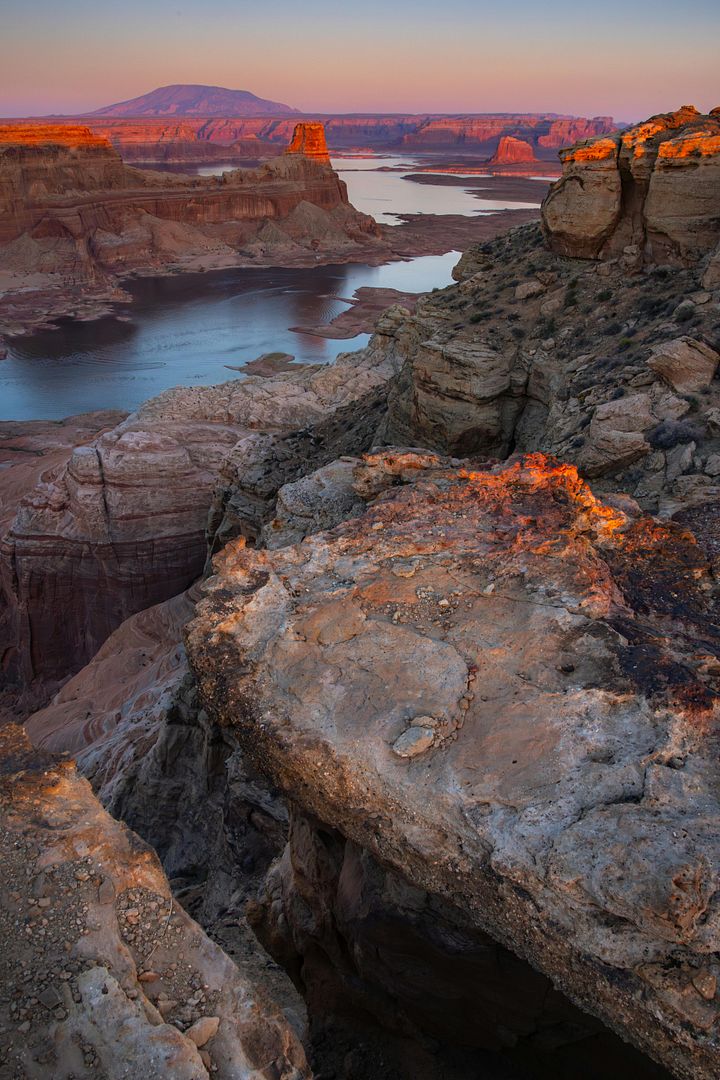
(186, 329)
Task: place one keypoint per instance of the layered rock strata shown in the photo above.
(511, 151)
(479, 134)
(102, 972)
(122, 525)
(491, 682)
(73, 215)
(653, 190)
(309, 140)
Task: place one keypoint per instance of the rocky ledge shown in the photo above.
(648, 192)
(102, 972)
(504, 690)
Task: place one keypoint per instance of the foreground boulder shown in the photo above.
(504, 690)
(102, 972)
(653, 188)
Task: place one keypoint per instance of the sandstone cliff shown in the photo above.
(71, 211)
(230, 137)
(309, 140)
(480, 133)
(121, 526)
(654, 188)
(512, 151)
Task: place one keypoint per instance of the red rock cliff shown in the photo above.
(309, 139)
(511, 151)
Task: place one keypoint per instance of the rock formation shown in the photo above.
(544, 133)
(511, 151)
(487, 693)
(71, 211)
(490, 682)
(232, 136)
(309, 140)
(653, 189)
(122, 525)
(102, 972)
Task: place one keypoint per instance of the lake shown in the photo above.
(186, 329)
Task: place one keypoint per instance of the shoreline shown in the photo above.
(34, 305)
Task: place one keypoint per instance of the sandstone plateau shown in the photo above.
(443, 727)
(73, 216)
(158, 137)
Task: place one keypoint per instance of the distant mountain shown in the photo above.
(185, 99)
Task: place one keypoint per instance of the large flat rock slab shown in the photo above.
(558, 660)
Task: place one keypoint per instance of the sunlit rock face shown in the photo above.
(544, 132)
(651, 193)
(504, 689)
(140, 218)
(309, 140)
(512, 151)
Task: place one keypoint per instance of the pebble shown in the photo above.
(414, 741)
(424, 721)
(203, 1030)
(706, 984)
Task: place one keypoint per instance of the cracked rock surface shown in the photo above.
(567, 652)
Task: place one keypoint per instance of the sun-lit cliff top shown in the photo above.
(74, 136)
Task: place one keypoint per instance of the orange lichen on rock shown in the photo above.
(309, 140)
(73, 136)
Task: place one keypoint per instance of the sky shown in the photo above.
(624, 58)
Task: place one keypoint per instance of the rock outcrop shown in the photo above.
(652, 191)
(71, 211)
(309, 140)
(102, 972)
(122, 525)
(555, 661)
(512, 151)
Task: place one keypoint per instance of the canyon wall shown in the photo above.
(74, 219)
(481, 134)
(43, 173)
(121, 525)
(231, 138)
(652, 190)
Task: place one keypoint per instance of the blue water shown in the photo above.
(186, 329)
